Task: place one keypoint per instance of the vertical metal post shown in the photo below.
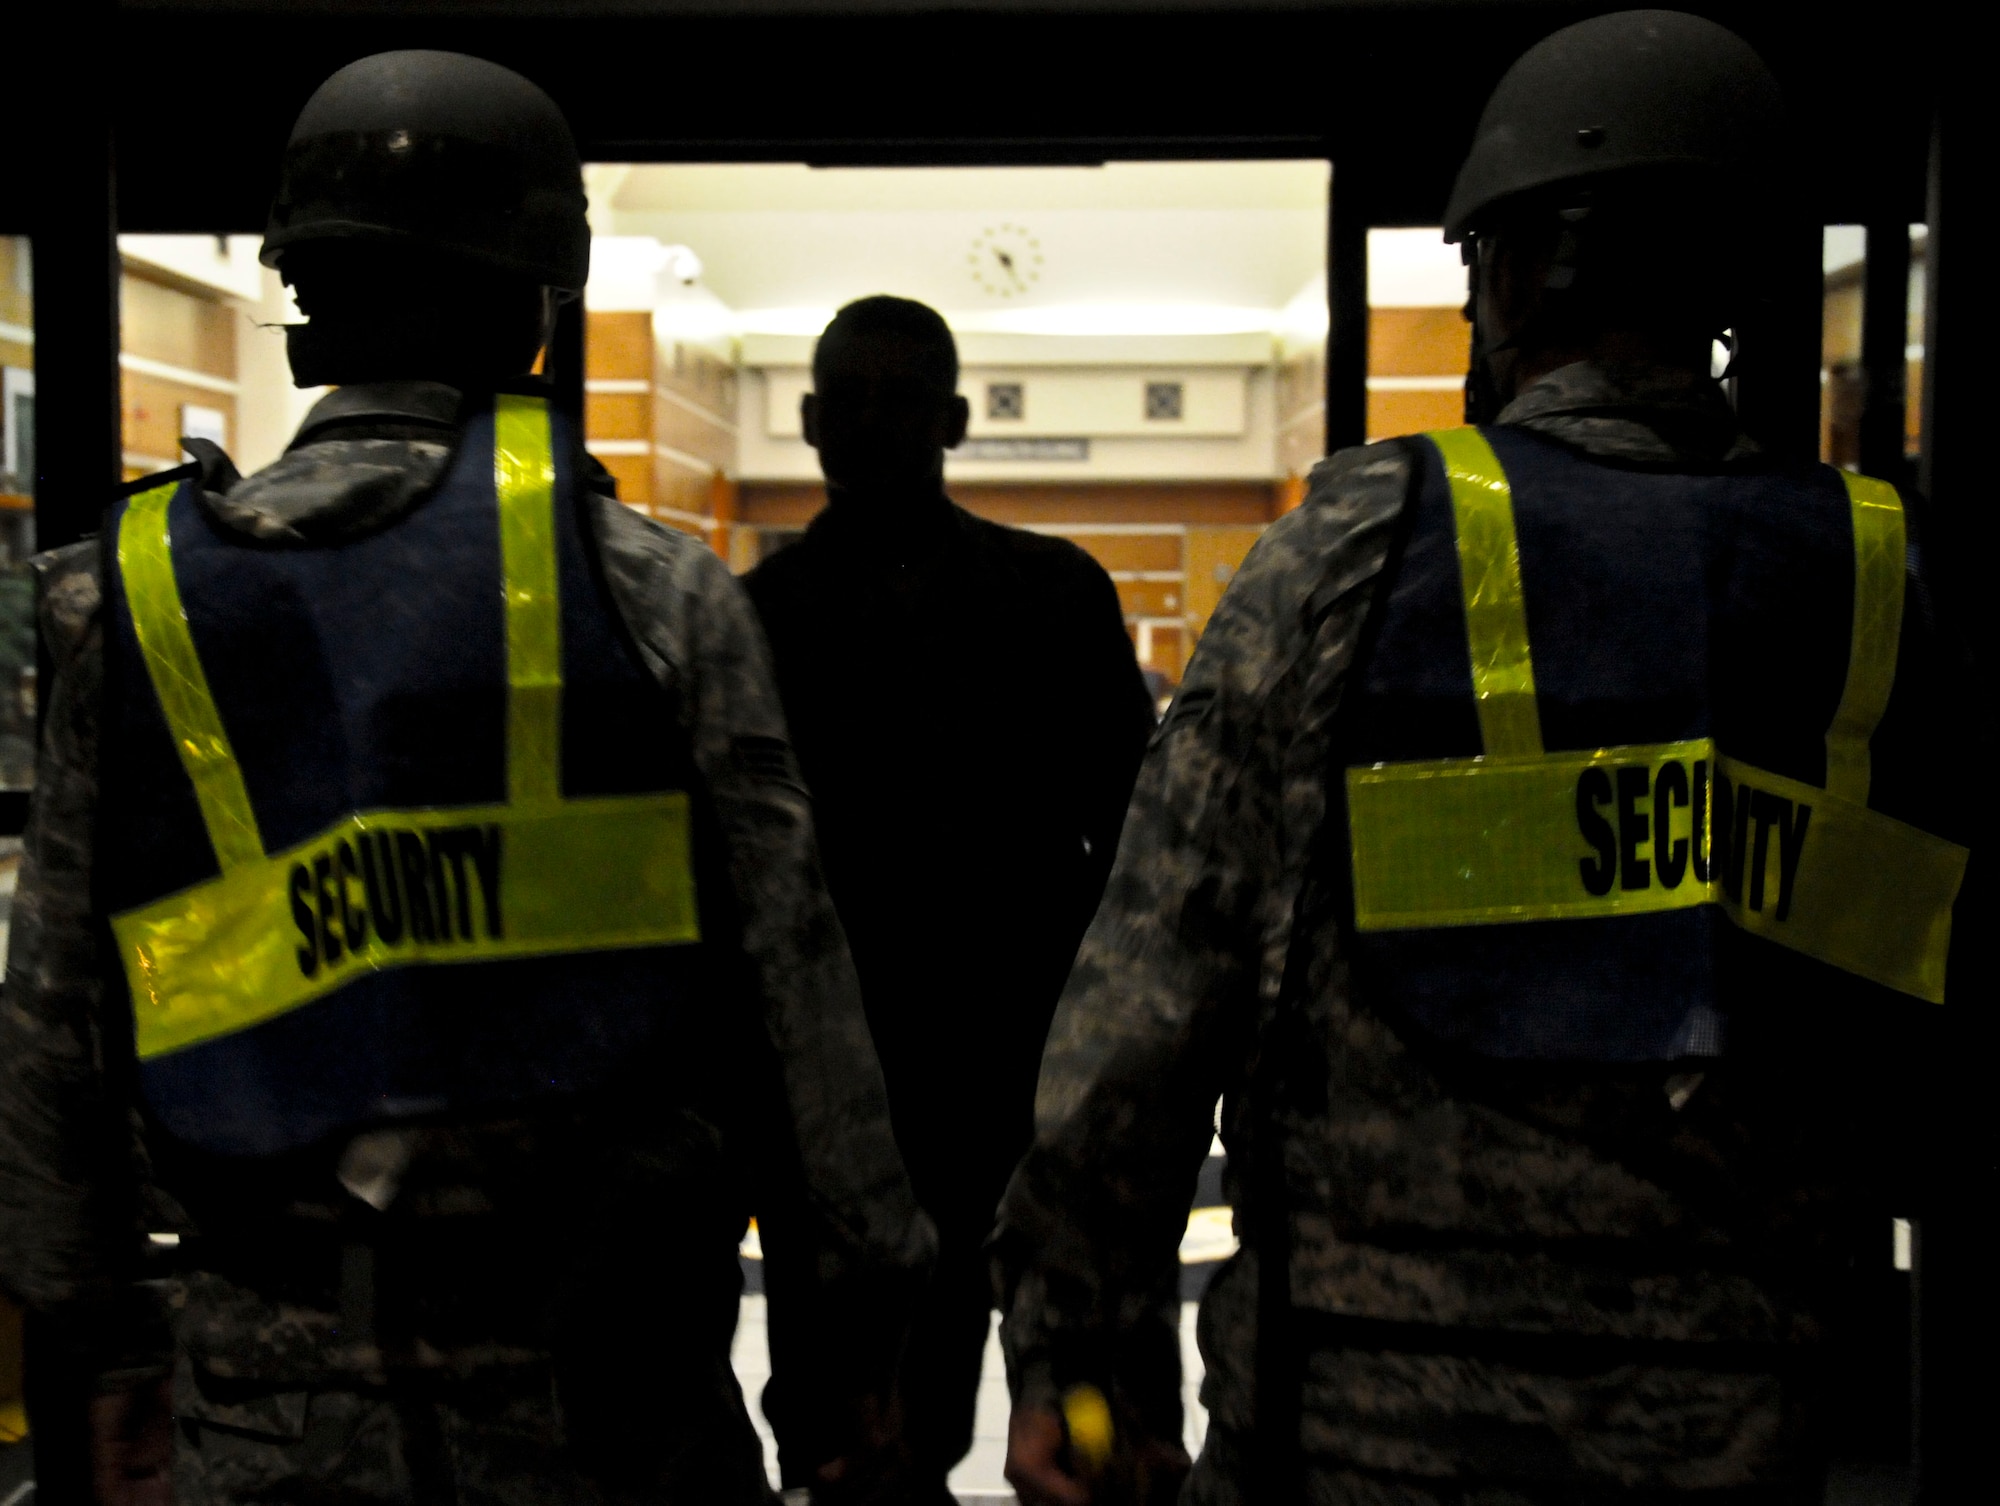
(566, 360)
(1347, 310)
(1958, 1321)
(1885, 336)
(79, 453)
(1777, 380)
(79, 450)
(1939, 434)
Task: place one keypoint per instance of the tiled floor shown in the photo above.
(978, 1478)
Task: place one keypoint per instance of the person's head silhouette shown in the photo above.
(885, 405)
(430, 215)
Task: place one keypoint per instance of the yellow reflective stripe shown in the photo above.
(153, 596)
(537, 876)
(1877, 632)
(1574, 835)
(1496, 617)
(1473, 841)
(495, 882)
(524, 476)
(1872, 896)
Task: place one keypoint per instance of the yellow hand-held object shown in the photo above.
(1087, 1416)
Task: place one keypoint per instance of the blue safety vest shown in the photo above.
(1607, 761)
(393, 827)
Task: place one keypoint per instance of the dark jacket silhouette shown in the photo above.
(969, 717)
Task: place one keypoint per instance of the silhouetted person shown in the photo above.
(418, 887)
(1546, 859)
(967, 829)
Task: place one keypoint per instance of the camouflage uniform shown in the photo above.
(531, 1309)
(1507, 1283)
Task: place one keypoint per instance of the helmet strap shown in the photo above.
(1483, 395)
(1482, 391)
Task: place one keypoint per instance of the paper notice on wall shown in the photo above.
(211, 424)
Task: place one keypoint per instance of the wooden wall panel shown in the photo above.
(618, 346)
(1214, 555)
(1840, 324)
(682, 489)
(177, 327)
(1302, 385)
(781, 504)
(13, 1414)
(707, 436)
(1414, 412)
(1120, 502)
(1123, 552)
(13, 353)
(152, 408)
(1841, 395)
(1418, 342)
(703, 378)
(1301, 444)
(1150, 598)
(1170, 652)
(1402, 342)
(1301, 412)
(695, 423)
(791, 504)
(634, 475)
(614, 415)
(17, 304)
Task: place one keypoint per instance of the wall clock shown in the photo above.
(1005, 260)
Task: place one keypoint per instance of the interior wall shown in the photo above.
(17, 302)
(1417, 360)
(1843, 382)
(178, 367)
(660, 415)
(203, 328)
(17, 356)
(1102, 406)
(269, 408)
(1118, 331)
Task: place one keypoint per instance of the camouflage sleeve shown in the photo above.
(699, 632)
(1156, 1020)
(71, 1160)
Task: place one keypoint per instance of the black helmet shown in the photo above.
(1639, 92)
(442, 150)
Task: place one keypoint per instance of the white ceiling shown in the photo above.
(1130, 247)
(626, 188)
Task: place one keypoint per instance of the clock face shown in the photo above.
(1005, 260)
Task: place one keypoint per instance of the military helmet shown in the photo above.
(440, 150)
(1655, 92)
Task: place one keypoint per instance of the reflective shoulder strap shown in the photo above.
(1496, 617)
(524, 478)
(1879, 549)
(153, 596)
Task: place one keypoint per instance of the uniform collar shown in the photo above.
(365, 456)
(1643, 415)
(431, 404)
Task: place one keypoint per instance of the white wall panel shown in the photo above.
(771, 448)
(1066, 402)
